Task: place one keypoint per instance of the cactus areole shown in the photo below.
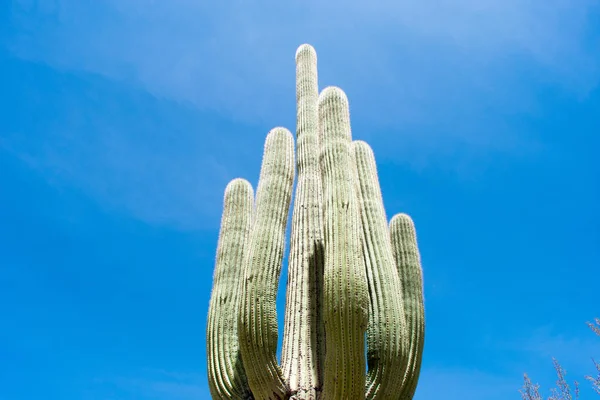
(354, 318)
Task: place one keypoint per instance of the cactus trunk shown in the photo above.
(348, 272)
(303, 351)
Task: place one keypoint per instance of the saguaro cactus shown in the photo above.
(348, 272)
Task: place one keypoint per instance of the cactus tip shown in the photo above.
(362, 146)
(237, 182)
(333, 93)
(238, 185)
(278, 131)
(402, 218)
(305, 49)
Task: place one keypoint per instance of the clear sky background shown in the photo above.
(121, 122)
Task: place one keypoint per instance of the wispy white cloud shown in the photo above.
(149, 161)
(425, 78)
(465, 384)
(502, 375)
(231, 57)
(155, 385)
(532, 353)
(152, 185)
(573, 351)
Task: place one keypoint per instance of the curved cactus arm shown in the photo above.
(408, 262)
(258, 316)
(303, 341)
(226, 376)
(345, 297)
(387, 356)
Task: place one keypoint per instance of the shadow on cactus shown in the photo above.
(351, 276)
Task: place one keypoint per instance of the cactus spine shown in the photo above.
(348, 272)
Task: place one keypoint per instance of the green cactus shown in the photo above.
(349, 274)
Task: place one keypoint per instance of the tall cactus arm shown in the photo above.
(386, 356)
(408, 262)
(258, 316)
(345, 297)
(303, 341)
(226, 376)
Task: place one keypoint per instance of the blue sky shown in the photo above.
(121, 122)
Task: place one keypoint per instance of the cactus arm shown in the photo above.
(227, 379)
(258, 316)
(345, 297)
(386, 356)
(303, 342)
(406, 254)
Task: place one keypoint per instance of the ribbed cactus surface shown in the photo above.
(354, 283)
